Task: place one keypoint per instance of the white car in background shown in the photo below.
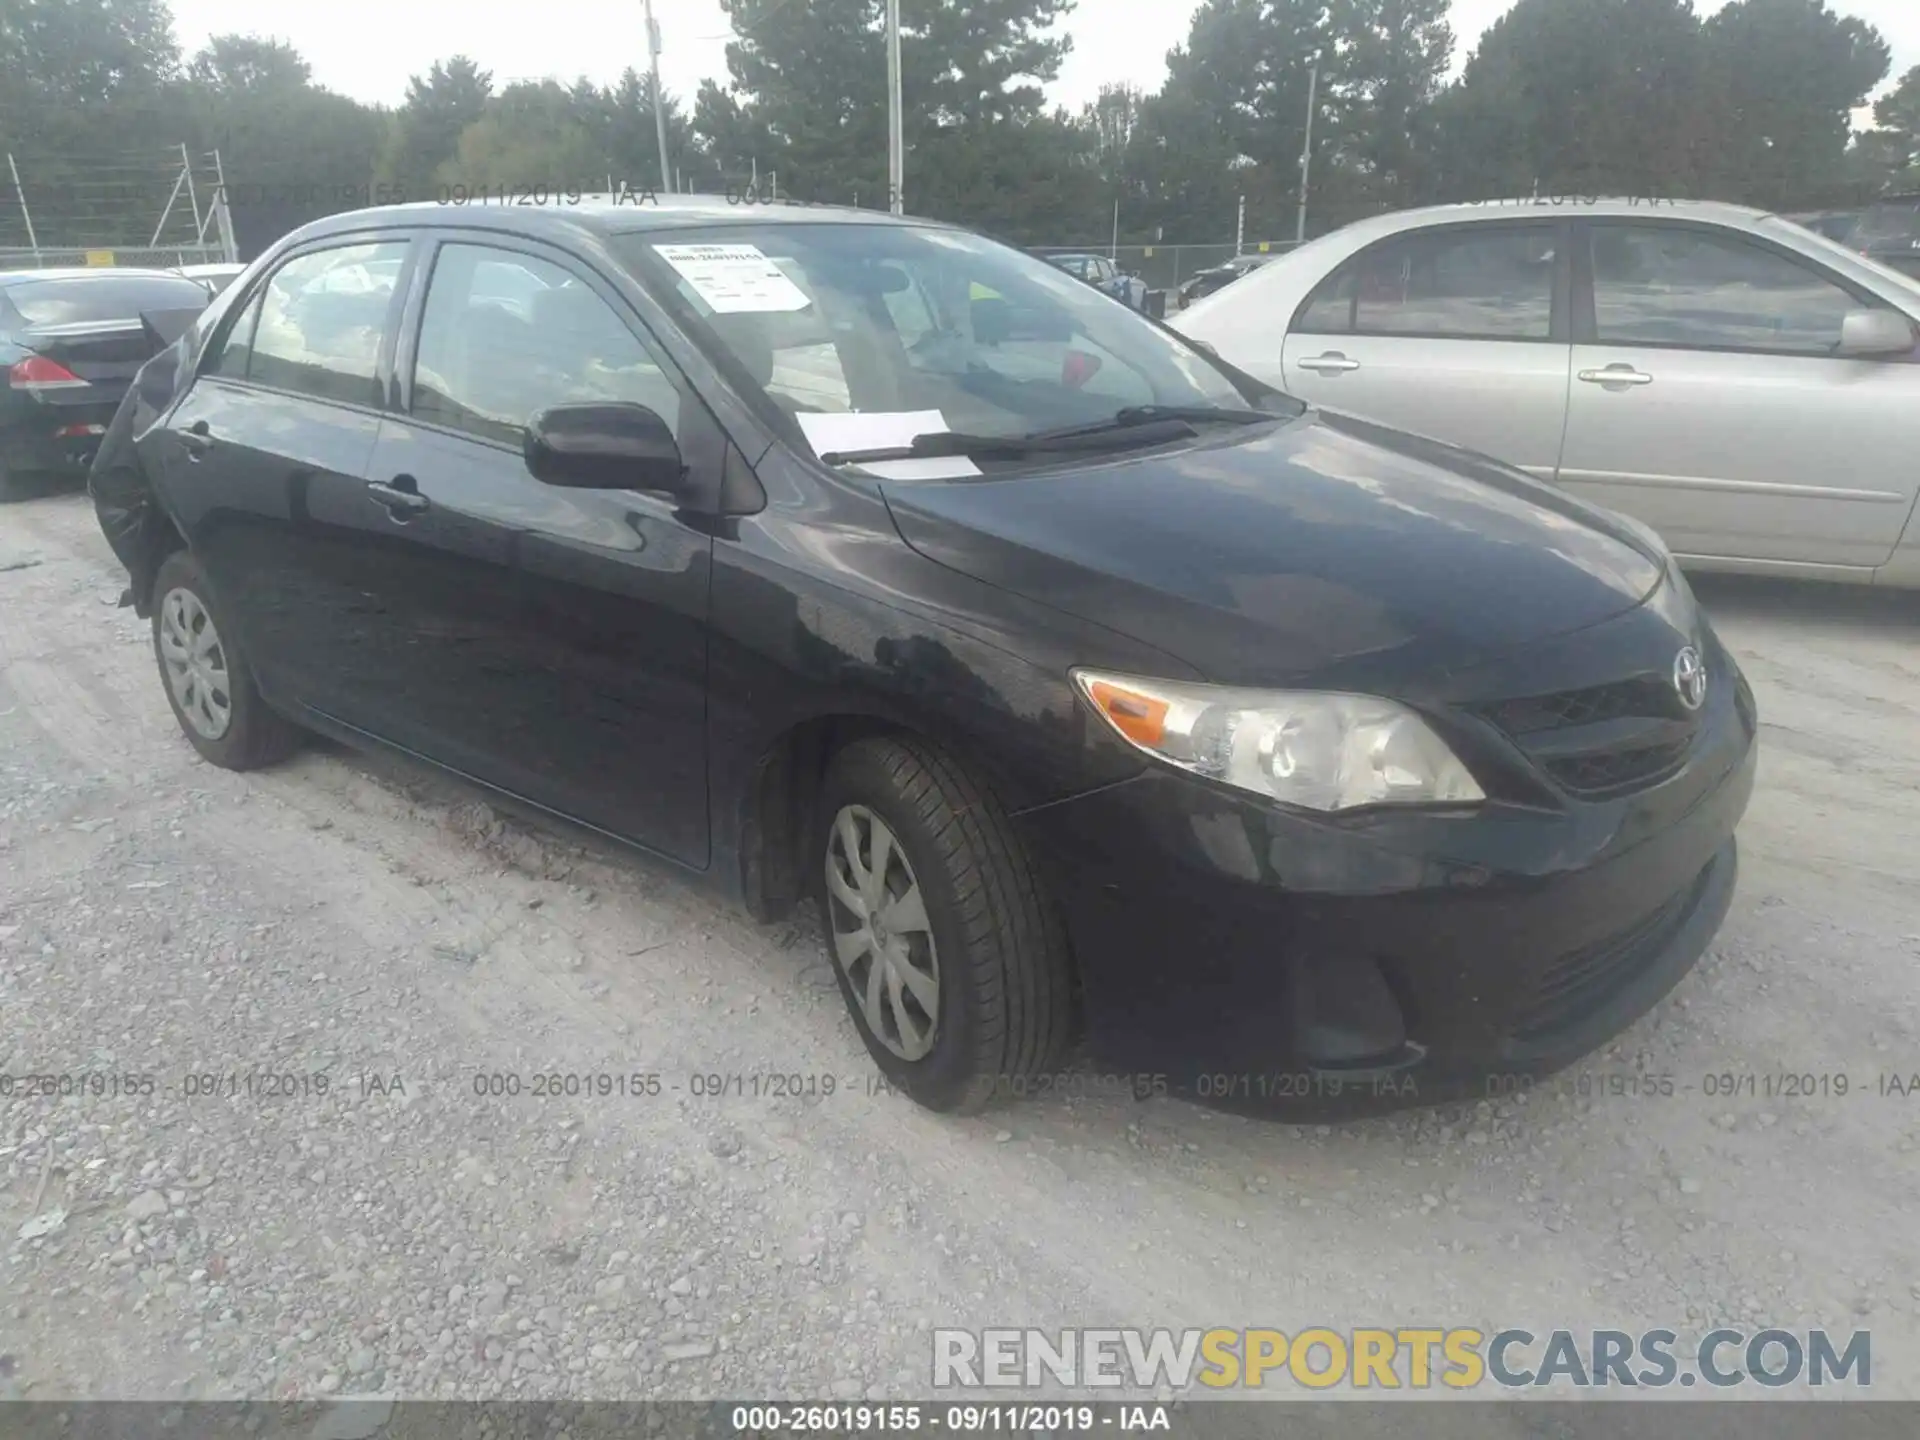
(216, 277)
(1749, 389)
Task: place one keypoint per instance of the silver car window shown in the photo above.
(1476, 283)
(1674, 285)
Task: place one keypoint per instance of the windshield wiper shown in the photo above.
(1130, 416)
(1131, 427)
(1154, 430)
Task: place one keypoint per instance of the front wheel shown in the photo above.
(208, 683)
(949, 955)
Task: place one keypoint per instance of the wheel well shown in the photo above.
(780, 808)
(160, 537)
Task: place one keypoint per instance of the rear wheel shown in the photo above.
(208, 683)
(950, 958)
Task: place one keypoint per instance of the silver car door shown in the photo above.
(1455, 331)
(1709, 401)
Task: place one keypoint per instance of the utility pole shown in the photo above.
(223, 212)
(1114, 254)
(1240, 229)
(659, 100)
(25, 214)
(896, 143)
(1306, 154)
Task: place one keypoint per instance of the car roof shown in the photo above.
(602, 215)
(1546, 206)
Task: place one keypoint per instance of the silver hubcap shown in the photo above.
(881, 935)
(196, 664)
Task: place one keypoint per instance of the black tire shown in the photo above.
(254, 735)
(1004, 978)
(11, 486)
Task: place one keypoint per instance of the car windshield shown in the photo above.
(88, 298)
(897, 320)
(1894, 224)
(1847, 252)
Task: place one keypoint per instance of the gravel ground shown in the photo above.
(400, 1233)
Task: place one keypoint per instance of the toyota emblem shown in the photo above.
(1690, 678)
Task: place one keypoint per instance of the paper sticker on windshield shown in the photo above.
(734, 279)
(842, 432)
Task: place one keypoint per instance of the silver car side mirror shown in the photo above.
(1875, 332)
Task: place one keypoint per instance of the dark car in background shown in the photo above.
(1104, 274)
(1889, 232)
(70, 342)
(1218, 277)
(1085, 683)
(1836, 225)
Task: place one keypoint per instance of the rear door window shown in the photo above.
(1481, 282)
(322, 318)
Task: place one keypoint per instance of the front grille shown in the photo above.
(1642, 696)
(1608, 771)
(1640, 734)
(1571, 987)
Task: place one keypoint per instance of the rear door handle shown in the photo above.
(196, 439)
(1616, 374)
(402, 499)
(1332, 363)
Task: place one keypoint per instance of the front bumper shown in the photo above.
(1265, 960)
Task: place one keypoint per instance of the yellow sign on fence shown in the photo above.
(100, 257)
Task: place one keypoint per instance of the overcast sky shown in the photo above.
(368, 48)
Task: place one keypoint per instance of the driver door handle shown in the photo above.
(402, 497)
(1616, 374)
(1332, 363)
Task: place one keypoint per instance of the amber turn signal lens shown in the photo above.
(1141, 718)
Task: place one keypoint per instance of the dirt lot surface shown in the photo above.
(338, 921)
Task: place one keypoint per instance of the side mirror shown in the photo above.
(604, 447)
(1875, 332)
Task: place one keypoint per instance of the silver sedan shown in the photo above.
(1748, 388)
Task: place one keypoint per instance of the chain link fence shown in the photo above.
(161, 257)
(1168, 267)
(161, 207)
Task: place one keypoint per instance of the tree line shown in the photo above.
(1751, 104)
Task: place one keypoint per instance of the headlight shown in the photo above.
(1321, 751)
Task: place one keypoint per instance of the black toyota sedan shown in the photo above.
(70, 341)
(1094, 691)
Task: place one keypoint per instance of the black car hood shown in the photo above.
(1324, 549)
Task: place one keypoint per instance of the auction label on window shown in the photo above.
(734, 279)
